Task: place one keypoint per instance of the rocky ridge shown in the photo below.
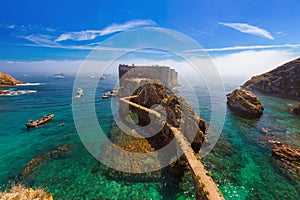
(287, 158)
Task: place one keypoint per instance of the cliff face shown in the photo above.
(7, 80)
(282, 81)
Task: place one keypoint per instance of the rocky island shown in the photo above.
(283, 81)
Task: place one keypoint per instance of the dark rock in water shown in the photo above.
(244, 104)
(7, 80)
(296, 109)
(283, 81)
(57, 153)
(288, 158)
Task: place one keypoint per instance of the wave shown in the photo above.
(18, 92)
(30, 84)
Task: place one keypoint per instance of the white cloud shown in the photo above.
(92, 34)
(250, 29)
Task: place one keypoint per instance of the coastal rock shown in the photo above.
(244, 104)
(296, 109)
(57, 153)
(19, 192)
(287, 157)
(283, 81)
(7, 80)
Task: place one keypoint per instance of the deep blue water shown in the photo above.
(240, 163)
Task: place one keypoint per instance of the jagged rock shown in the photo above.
(244, 104)
(296, 109)
(283, 81)
(57, 153)
(287, 157)
(7, 80)
(19, 192)
(178, 114)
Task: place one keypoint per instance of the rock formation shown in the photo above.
(173, 108)
(296, 109)
(283, 81)
(287, 158)
(244, 104)
(178, 114)
(7, 80)
(19, 192)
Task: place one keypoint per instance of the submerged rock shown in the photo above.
(245, 104)
(296, 109)
(57, 153)
(283, 81)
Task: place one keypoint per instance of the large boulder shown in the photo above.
(245, 104)
(296, 109)
(283, 81)
(7, 80)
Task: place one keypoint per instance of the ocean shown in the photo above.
(240, 163)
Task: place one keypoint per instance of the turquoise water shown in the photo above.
(240, 163)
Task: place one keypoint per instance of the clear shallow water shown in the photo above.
(240, 162)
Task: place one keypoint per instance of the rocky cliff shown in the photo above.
(7, 80)
(283, 81)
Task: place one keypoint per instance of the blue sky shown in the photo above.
(36, 31)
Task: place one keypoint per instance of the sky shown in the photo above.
(241, 37)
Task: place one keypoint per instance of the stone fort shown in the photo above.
(168, 76)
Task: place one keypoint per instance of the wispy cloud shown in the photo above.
(249, 29)
(92, 34)
(42, 40)
(250, 47)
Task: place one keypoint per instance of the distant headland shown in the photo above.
(8, 80)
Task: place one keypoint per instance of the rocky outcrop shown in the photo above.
(245, 104)
(19, 192)
(296, 109)
(283, 81)
(175, 112)
(287, 157)
(7, 80)
(59, 152)
(178, 114)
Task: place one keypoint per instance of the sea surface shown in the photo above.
(240, 163)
